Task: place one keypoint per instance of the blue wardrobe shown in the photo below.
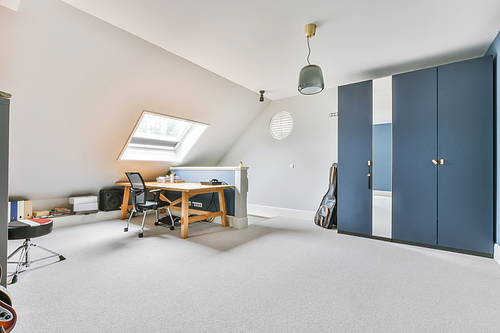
(442, 158)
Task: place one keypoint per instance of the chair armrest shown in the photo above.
(157, 193)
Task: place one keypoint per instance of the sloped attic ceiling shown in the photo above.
(80, 84)
(260, 44)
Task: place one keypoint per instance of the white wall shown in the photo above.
(79, 85)
(311, 147)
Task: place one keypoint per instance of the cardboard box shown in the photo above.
(85, 206)
(83, 200)
(39, 213)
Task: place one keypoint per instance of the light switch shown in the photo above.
(292, 166)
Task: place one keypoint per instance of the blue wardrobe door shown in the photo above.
(414, 176)
(465, 127)
(354, 197)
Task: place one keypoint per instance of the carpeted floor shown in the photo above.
(278, 275)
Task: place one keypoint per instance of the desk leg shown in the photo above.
(222, 205)
(184, 215)
(126, 194)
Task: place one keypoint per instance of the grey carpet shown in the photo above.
(278, 275)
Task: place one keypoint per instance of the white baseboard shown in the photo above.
(496, 253)
(268, 211)
(71, 220)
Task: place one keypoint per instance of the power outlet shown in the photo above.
(197, 204)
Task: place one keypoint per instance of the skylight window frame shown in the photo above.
(159, 147)
(138, 152)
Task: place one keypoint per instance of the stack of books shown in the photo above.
(60, 211)
(41, 213)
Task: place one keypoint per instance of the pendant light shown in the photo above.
(310, 77)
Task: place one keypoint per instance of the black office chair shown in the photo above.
(140, 203)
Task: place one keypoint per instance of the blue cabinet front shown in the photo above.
(354, 197)
(414, 177)
(465, 137)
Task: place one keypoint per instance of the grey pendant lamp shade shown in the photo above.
(311, 80)
(310, 77)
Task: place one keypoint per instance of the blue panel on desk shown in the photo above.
(465, 127)
(414, 176)
(196, 176)
(209, 201)
(354, 197)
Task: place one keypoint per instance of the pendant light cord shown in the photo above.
(309, 48)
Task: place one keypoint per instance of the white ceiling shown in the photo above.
(11, 4)
(260, 44)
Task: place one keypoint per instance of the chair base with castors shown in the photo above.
(28, 229)
(157, 222)
(167, 220)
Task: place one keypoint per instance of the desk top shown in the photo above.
(182, 187)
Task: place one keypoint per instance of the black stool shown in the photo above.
(26, 230)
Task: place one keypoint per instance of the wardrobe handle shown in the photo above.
(369, 175)
(435, 162)
(441, 161)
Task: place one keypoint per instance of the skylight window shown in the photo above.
(157, 137)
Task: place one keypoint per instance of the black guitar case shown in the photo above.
(326, 216)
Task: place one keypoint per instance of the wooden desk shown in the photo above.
(188, 190)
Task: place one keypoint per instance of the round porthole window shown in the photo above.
(281, 125)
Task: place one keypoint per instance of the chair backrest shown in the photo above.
(137, 183)
(136, 180)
